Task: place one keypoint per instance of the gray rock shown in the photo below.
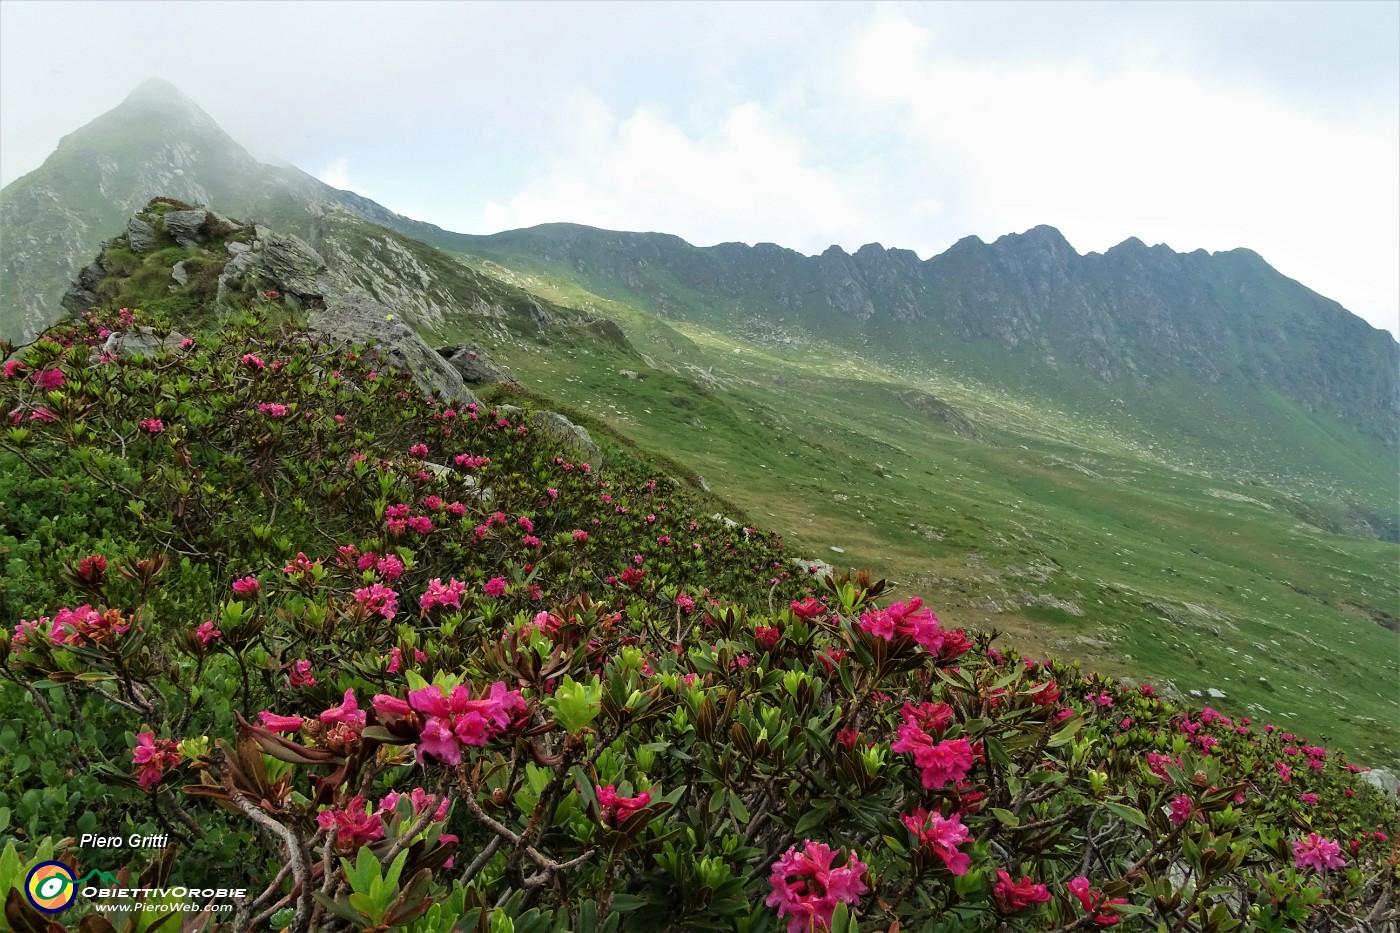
(1215, 694)
(216, 224)
(235, 248)
(728, 522)
(141, 235)
(1382, 780)
(354, 317)
(475, 364)
(178, 273)
(815, 567)
(186, 226)
(700, 481)
(141, 342)
(82, 294)
(629, 374)
(555, 424)
(295, 265)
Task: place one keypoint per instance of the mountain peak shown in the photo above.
(157, 89)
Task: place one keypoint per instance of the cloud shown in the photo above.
(337, 174)
(744, 176)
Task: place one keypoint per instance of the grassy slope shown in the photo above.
(1072, 533)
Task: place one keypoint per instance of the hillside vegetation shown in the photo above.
(398, 661)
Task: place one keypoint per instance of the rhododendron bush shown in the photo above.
(394, 662)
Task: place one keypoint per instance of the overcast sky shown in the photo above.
(1274, 126)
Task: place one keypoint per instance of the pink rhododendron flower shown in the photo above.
(248, 586)
(418, 450)
(355, 825)
(617, 808)
(378, 598)
(1095, 903)
(389, 567)
(1025, 893)
(153, 756)
(153, 426)
(300, 674)
(421, 801)
(207, 633)
(685, 603)
(1181, 809)
(253, 360)
(456, 718)
(275, 723)
(348, 712)
(946, 762)
(941, 836)
(440, 594)
(806, 888)
(495, 587)
(1317, 853)
(48, 379)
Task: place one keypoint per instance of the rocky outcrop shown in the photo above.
(82, 294)
(562, 429)
(475, 364)
(1134, 314)
(143, 341)
(141, 235)
(353, 317)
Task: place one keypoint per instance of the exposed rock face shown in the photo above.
(475, 364)
(355, 317)
(82, 294)
(293, 263)
(186, 226)
(565, 430)
(1132, 314)
(141, 235)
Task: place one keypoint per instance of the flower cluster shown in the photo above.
(617, 808)
(807, 888)
(939, 763)
(941, 836)
(355, 824)
(455, 717)
(152, 757)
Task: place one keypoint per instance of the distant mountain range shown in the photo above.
(1134, 315)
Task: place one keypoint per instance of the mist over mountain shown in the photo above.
(1132, 316)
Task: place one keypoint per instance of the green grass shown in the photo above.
(1083, 535)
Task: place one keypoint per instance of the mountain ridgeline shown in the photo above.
(1216, 357)
(1132, 314)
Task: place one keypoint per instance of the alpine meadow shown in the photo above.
(360, 575)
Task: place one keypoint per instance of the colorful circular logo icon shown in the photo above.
(51, 887)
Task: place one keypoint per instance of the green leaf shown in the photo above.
(1006, 817)
(1131, 814)
(738, 810)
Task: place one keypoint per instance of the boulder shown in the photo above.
(475, 364)
(216, 224)
(1382, 780)
(294, 264)
(143, 341)
(141, 235)
(178, 273)
(82, 294)
(555, 424)
(816, 567)
(186, 226)
(353, 317)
